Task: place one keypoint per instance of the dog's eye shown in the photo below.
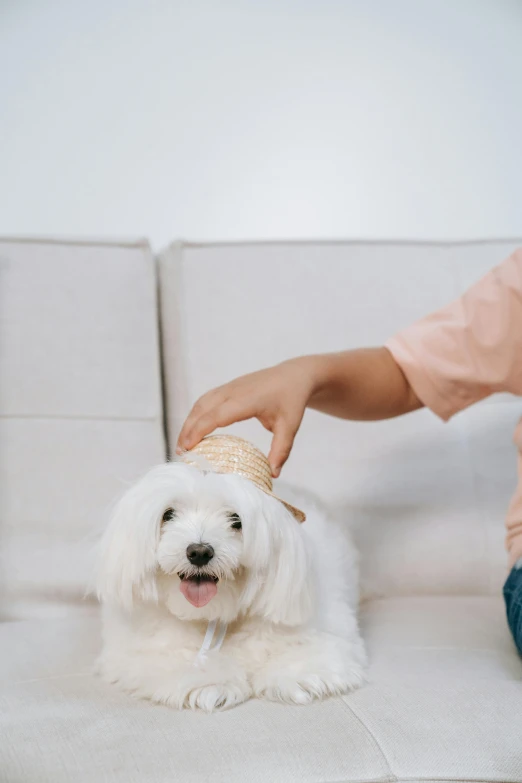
(236, 521)
(168, 515)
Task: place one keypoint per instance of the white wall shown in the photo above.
(230, 119)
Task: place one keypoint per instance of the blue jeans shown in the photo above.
(513, 599)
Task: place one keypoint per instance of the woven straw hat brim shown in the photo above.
(233, 455)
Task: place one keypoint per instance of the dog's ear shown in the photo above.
(279, 564)
(127, 560)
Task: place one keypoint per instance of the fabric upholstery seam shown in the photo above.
(75, 417)
(455, 780)
(53, 677)
(393, 778)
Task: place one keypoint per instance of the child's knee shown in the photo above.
(513, 600)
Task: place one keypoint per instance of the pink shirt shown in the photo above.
(467, 351)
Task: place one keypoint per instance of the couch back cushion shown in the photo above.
(426, 500)
(80, 407)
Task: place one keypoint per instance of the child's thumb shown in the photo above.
(282, 443)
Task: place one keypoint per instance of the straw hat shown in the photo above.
(230, 454)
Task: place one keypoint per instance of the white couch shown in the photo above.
(82, 415)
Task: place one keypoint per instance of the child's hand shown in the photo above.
(366, 384)
(277, 397)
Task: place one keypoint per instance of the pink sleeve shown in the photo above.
(470, 349)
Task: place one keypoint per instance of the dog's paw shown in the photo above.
(289, 690)
(328, 666)
(302, 688)
(212, 698)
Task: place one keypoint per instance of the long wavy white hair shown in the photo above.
(259, 556)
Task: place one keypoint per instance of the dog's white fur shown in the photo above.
(288, 592)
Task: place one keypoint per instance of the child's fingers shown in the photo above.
(185, 437)
(206, 421)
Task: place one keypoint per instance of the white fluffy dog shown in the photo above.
(185, 548)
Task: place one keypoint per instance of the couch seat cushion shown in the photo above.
(443, 702)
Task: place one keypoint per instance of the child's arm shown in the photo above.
(446, 361)
(363, 384)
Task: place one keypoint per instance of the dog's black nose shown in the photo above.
(199, 554)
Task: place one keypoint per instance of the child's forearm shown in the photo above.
(365, 384)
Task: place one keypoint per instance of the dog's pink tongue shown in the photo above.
(198, 593)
